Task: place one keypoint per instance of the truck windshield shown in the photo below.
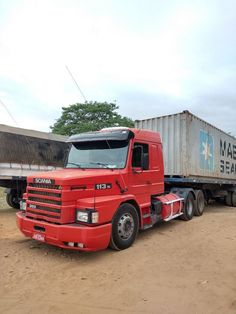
(98, 154)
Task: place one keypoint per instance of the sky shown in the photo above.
(151, 57)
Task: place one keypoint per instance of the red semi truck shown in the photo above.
(112, 186)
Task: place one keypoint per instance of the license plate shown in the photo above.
(39, 237)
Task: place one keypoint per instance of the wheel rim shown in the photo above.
(125, 226)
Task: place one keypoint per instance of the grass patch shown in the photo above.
(3, 203)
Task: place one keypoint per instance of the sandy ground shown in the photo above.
(176, 267)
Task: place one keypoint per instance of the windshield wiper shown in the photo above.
(102, 164)
(73, 163)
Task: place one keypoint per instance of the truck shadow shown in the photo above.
(161, 228)
(46, 251)
(220, 208)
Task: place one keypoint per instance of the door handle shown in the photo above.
(148, 182)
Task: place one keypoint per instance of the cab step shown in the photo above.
(147, 226)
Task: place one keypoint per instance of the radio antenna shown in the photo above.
(77, 85)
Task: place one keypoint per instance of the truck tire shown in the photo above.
(200, 203)
(234, 199)
(12, 201)
(189, 208)
(124, 227)
(228, 199)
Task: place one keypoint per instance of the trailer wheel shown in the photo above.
(124, 227)
(12, 201)
(200, 203)
(234, 199)
(189, 208)
(229, 199)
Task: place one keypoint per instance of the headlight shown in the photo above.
(90, 216)
(82, 216)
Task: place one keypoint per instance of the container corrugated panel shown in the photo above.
(24, 151)
(193, 147)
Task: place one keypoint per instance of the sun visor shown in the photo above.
(110, 135)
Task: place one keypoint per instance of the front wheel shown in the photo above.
(124, 227)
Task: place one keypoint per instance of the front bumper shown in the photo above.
(93, 238)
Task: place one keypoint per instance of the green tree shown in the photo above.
(89, 116)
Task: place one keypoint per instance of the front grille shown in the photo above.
(45, 186)
(30, 213)
(44, 200)
(38, 199)
(45, 208)
(44, 193)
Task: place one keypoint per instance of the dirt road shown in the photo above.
(177, 267)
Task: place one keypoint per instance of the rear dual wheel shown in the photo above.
(189, 208)
(200, 203)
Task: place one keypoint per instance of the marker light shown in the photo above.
(95, 217)
(23, 205)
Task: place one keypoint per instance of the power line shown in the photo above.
(7, 110)
(76, 83)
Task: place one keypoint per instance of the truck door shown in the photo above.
(139, 178)
(157, 171)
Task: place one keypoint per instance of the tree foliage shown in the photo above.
(89, 116)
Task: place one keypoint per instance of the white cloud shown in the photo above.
(156, 49)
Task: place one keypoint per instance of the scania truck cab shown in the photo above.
(111, 187)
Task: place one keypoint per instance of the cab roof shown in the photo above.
(119, 134)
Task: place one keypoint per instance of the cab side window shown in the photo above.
(137, 158)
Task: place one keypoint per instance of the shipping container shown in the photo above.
(194, 150)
